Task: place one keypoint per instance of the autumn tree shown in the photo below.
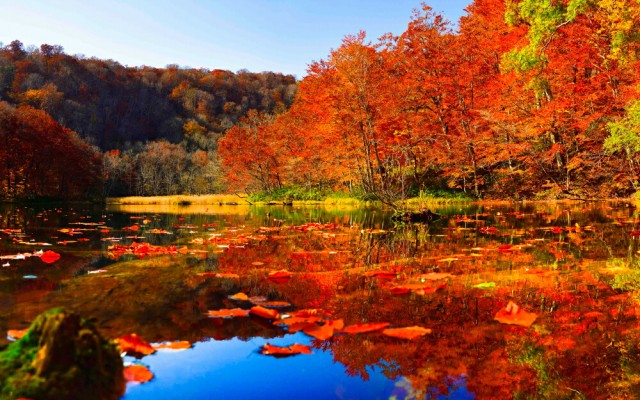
(41, 158)
(248, 158)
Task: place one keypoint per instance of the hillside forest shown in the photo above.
(521, 99)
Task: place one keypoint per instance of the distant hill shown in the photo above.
(114, 107)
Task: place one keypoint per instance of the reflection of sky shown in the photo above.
(236, 370)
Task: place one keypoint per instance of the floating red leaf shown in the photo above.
(296, 348)
(323, 332)
(279, 276)
(265, 312)
(364, 328)
(177, 345)
(434, 276)
(512, 314)
(134, 344)
(50, 257)
(137, 373)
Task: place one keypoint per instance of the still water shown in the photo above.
(570, 270)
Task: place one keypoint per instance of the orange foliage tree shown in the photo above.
(41, 158)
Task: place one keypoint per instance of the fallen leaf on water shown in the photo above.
(320, 332)
(228, 313)
(279, 276)
(137, 373)
(410, 332)
(16, 334)
(485, 285)
(178, 345)
(397, 290)
(97, 271)
(512, 314)
(337, 324)
(434, 276)
(323, 332)
(264, 312)
(50, 257)
(275, 304)
(160, 232)
(296, 348)
(308, 312)
(363, 328)
(134, 344)
(239, 296)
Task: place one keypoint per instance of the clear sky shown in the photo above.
(258, 35)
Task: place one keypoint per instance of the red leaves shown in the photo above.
(294, 349)
(512, 314)
(137, 373)
(364, 328)
(141, 250)
(280, 276)
(134, 344)
(50, 257)
(489, 230)
(325, 331)
(264, 312)
(409, 333)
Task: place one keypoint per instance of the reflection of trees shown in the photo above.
(584, 341)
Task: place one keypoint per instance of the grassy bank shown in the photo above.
(232, 199)
(208, 199)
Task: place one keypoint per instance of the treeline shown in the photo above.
(153, 123)
(524, 99)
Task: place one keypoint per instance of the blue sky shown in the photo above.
(259, 35)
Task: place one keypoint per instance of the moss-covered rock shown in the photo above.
(62, 356)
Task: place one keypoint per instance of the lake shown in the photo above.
(505, 300)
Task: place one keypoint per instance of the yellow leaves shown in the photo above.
(239, 296)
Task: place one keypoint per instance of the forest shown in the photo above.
(521, 99)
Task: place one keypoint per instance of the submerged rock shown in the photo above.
(424, 216)
(62, 356)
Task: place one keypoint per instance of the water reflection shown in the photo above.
(573, 264)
